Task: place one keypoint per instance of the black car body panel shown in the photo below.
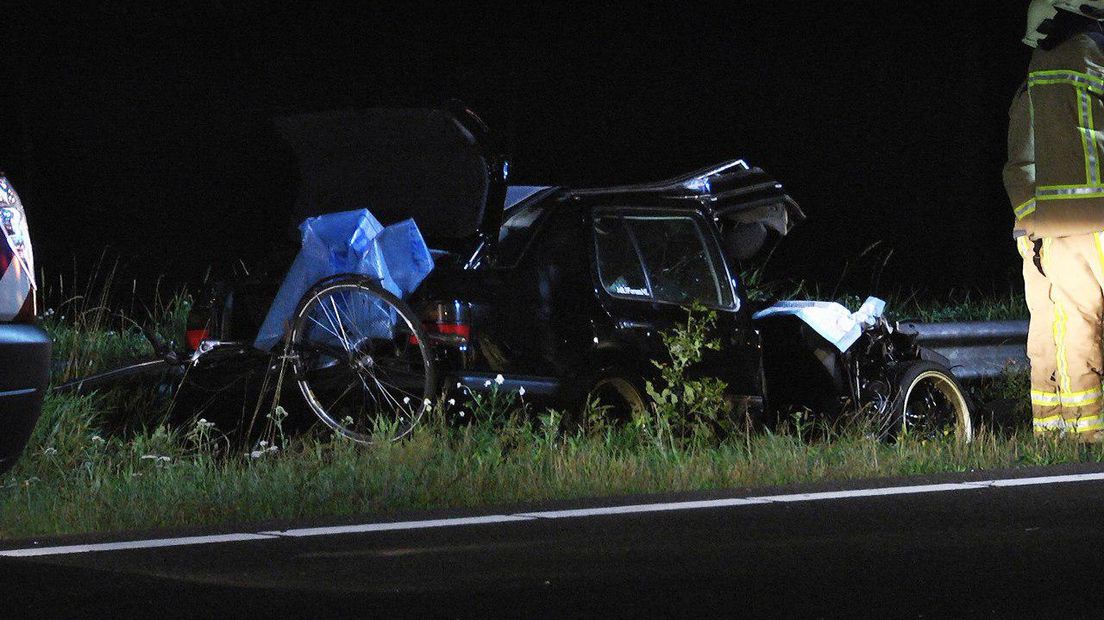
(24, 347)
(540, 311)
(25, 358)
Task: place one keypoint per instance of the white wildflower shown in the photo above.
(49, 451)
(459, 385)
(452, 402)
(406, 400)
(97, 439)
(263, 443)
(521, 391)
(461, 413)
(487, 383)
(256, 454)
(427, 403)
(499, 379)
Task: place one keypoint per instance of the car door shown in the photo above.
(650, 266)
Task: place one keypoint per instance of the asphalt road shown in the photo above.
(1016, 551)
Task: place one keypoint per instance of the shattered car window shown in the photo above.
(517, 230)
(618, 263)
(678, 262)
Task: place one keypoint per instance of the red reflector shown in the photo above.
(194, 337)
(461, 331)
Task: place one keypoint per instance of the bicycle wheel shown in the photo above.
(930, 404)
(361, 359)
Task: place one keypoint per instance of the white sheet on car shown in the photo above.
(833, 321)
(17, 278)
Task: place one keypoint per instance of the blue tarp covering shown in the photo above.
(348, 242)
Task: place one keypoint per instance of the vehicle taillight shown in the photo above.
(195, 337)
(446, 322)
(196, 327)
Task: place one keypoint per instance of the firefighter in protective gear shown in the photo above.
(1055, 181)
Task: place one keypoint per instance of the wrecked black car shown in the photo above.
(559, 293)
(562, 291)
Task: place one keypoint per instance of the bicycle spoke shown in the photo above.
(316, 322)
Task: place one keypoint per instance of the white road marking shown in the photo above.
(555, 514)
(398, 525)
(133, 544)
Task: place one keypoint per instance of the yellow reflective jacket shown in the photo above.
(1066, 91)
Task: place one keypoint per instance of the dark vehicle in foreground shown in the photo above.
(24, 347)
(558, 293)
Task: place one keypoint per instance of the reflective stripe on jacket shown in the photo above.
(1066, 88)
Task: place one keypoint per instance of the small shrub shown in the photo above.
(684, 405)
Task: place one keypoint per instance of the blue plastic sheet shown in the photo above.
(349, 242)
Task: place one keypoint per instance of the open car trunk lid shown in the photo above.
(436, 166)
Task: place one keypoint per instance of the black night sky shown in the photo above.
(143, 126)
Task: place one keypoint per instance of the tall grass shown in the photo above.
(75, 479)
(92, 333)
(84, 471)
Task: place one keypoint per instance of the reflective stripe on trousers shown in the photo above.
(1045, 399)
(1075, 270)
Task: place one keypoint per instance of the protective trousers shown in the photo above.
(1074, 266)
(1046, 405)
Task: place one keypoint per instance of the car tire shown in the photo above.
(929, 403)
(618, 389)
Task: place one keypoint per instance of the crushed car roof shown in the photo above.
(730, 189)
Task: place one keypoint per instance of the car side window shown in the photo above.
(678, 263)
(619, 266)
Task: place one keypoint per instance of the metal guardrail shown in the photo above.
(976, 349)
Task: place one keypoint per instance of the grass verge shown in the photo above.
(75, 480)
(84, 471)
